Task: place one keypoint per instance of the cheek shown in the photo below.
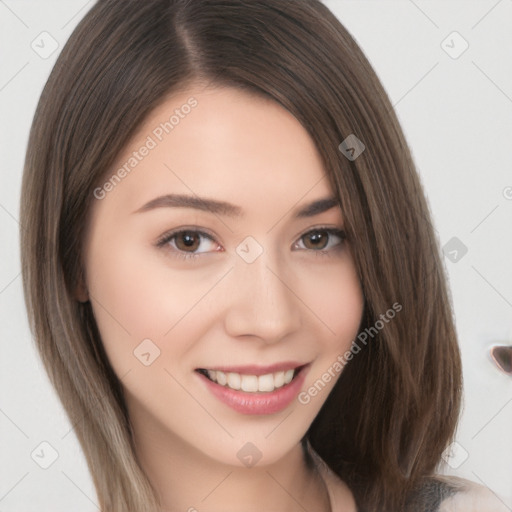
(339, 304)
(135, 298)
(337, 300)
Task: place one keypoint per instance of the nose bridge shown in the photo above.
(262, 304)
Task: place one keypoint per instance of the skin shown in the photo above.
(290, 304)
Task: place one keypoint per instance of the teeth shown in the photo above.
(279, 379)
(266, 382)
(252, 383)
(234, 380)
(221, 378)
(249, 383)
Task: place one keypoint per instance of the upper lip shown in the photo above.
(256, 369)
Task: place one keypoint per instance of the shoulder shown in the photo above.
(468, 496)
(438, 493)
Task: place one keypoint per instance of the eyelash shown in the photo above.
(166, 238)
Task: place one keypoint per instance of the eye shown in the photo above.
(323, 239)
(185, 242)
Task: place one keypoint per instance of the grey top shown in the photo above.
(439, 494)
(432, 494)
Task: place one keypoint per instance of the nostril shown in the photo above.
(502, 356)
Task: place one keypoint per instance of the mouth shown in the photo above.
(255, 382)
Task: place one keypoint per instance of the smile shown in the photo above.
(268, 392)
(251, 383)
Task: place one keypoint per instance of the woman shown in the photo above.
(230, 270)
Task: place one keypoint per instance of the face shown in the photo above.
(251, 290)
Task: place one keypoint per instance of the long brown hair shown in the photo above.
(395, 407)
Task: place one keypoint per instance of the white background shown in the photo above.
(457, 117)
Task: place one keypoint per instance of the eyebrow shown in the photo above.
(228, 209)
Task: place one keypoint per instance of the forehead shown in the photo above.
(222, 143)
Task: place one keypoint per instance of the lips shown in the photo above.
(266, 390)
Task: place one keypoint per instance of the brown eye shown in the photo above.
(322, 240)
(187, 240)
(317, 239)
(185, 243)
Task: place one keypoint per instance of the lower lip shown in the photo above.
(258, 403)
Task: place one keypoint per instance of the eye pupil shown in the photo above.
(316, 237)
(188, 238)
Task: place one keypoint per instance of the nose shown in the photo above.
(262, 301)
